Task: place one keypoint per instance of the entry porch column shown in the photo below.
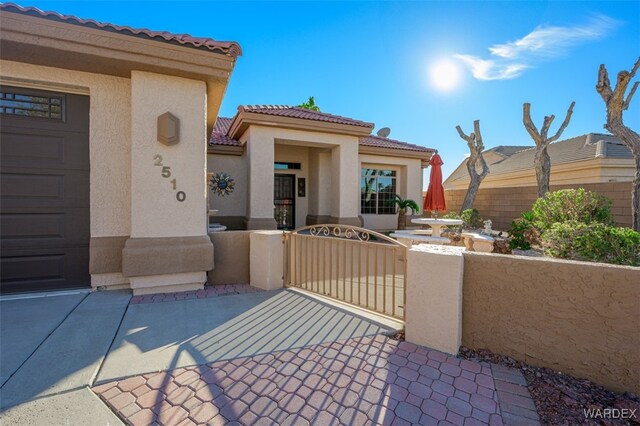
(260, 162)
(345, 184)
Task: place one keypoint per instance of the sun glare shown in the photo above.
(445, 75)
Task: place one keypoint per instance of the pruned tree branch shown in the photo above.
(528, 124)
(478, 135)
(476, 146)
(604, 85)
(616, 104)
(564, 124)
(625, 106)
(541, 160)
(548, 119)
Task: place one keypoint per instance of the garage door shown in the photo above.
(44, 209)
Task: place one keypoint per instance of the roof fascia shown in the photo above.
(42, 41)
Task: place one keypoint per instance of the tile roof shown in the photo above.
(219, 133)
(379, 142)
(228, 48)
(508, 150)
(305, 114)
(579, 148)
(221, 128)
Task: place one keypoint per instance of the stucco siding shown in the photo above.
(156, 211)
(579, 318)
(109, 138)
(234, 204)
(408, 185)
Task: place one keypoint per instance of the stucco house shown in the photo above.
(109, 132)
(93, 189)
(595, 161)
(294, 167)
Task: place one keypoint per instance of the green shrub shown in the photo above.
(519, 230)
(594, 242)
(471, 218)
(451, 215)
(571, 205)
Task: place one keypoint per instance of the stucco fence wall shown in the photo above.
(579, 318)
(230, 257)
(503, 205)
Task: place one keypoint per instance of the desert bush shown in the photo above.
(520, 229)
(568, 205)
(471, 218)
(594, 242)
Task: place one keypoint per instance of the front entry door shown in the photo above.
(284, 200)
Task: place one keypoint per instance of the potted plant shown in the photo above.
(403, 205)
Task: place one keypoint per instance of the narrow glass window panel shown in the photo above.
(31, 106)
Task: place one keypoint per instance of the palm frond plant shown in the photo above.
(403, 205)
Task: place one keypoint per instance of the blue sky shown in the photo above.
(373, 61)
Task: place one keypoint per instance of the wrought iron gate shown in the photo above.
(353, 265)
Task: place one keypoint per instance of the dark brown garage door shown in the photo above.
(44, 208)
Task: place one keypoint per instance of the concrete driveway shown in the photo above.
(54, 348)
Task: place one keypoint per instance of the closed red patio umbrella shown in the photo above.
(434, 201)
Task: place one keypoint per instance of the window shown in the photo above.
(377, 189)
(31, 106)
(286, 166)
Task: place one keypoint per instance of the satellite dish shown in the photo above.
(384, 132)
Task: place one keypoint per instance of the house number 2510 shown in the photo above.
(166, 173)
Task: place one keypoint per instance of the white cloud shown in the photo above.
(509, 60)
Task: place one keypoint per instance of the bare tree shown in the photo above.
(474, 141)
(616, 104)
(541, 159)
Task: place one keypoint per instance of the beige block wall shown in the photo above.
(408, 185)
(579, 318)
(109, 137)
(503, 205)
(156, 212)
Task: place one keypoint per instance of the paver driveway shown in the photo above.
(358, 381)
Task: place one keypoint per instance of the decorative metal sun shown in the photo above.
(222, 184)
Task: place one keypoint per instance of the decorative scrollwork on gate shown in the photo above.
(345, 232)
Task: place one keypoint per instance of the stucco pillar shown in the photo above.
(260, 160)
(266, 259)
(433, 310)
(169, 248)
(345, 174)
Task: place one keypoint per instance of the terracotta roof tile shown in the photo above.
(305, 114)
(379, 142)
(228, 48)
(219, 133)
(221, 128)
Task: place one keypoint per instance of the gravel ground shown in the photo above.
(561, 399)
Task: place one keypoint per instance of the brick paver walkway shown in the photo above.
(369, 380)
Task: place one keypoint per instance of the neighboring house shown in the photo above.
(597, 162)
(89, 191)
(294, 167)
